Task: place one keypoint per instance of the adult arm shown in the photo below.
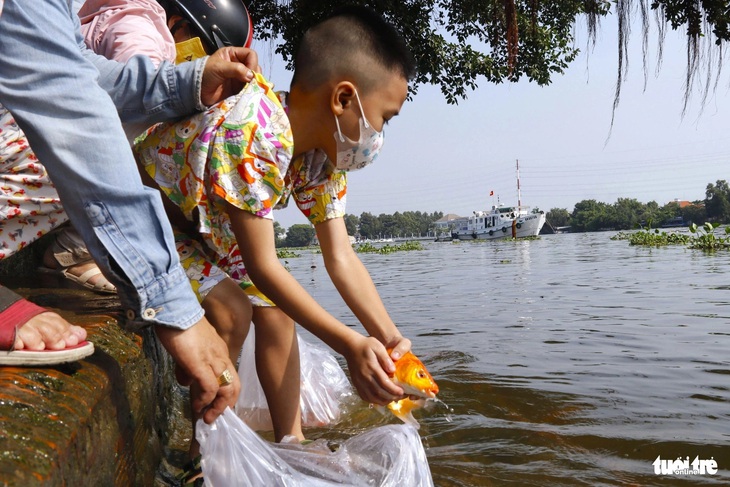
(73, 126)
(356, 287)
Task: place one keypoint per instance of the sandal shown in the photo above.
(102, 285)
(66, 251)
(14, 313)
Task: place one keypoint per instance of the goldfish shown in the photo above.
(412, 376)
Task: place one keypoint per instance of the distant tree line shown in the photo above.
(366, 226)
(628, 213)
(587, 216)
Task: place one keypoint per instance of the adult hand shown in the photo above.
(201, 356)
(370, 366)
(226, 71)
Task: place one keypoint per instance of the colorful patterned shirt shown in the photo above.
(240, 151)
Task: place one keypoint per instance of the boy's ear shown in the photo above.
(342, 96)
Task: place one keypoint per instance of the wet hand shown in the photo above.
(225, 73)
(201, 356)
(399, 345)
(370, 366)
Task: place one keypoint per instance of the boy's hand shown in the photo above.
(399, 345)
(200, 357)
(225, 73)
(369, 366)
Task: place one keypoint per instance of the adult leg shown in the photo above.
(29, 334)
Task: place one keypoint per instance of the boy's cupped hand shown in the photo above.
(370, 366)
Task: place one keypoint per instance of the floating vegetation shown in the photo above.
(387, 248)
(621, 236)
(703, 237)
(285, 253)
(658, 238)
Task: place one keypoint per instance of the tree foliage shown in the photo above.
(351, 223)
(406, 224)
(558, 217)
(454, 41)
(299, 235)
(717, 201)
(629, 213)
(458, 42)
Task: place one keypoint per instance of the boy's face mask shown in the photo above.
(189, 50)
(352, 155)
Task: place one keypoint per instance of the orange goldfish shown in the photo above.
(412, 376)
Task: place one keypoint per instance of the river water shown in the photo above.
(568, 360)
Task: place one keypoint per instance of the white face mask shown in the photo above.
(353, 155)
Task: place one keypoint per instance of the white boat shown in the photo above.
(502, 221)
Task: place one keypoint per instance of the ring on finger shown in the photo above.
(225, 378)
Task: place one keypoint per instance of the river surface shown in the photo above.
(568, 360)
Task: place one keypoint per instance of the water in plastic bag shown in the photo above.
(233, 455)
(324, 386)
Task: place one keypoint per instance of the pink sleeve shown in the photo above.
(120, 30)
(132, 35)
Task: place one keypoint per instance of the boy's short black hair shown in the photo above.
(352, 42)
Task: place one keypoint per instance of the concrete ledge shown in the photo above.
(102, 421)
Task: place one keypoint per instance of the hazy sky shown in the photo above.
(440, 157)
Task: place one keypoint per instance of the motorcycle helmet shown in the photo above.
(219, 23)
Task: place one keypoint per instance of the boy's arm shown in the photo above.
(356, 287)
(367, 359)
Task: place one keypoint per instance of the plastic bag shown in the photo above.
(324, 386)
(233, 455)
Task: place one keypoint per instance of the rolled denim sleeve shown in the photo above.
(145, 94)
(72, 124)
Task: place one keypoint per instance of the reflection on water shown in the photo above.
(568, 360)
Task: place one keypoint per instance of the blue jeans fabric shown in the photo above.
(69, 101)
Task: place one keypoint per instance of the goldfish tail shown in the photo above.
(380, 409)
(408, 419)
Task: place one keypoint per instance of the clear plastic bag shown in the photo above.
(233, 455)
(324, 386)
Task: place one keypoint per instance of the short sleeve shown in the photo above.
(318, 189)
(236, 152)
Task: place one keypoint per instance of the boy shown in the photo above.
(228, 168)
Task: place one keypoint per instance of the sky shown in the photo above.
(448, 158)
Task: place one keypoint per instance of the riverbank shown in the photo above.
(106, 420)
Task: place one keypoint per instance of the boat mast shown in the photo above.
(519, 196)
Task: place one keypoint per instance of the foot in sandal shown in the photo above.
(67, 256)
(33, 336)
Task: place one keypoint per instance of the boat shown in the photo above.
(502, 221)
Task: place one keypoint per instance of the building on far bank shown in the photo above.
(448, 222)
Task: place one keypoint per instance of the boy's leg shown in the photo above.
(277, 364)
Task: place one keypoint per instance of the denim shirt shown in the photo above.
(69, 102)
